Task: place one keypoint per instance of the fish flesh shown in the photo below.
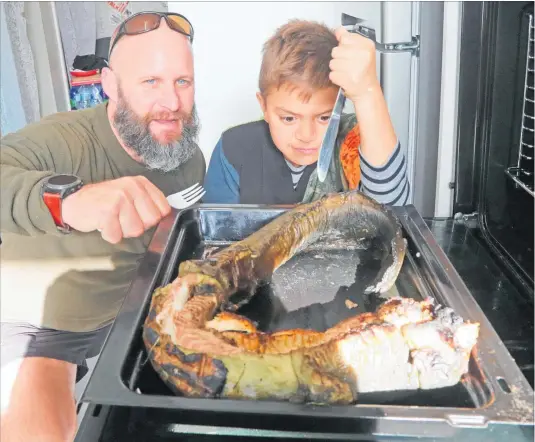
(405, 345)
(201, 348)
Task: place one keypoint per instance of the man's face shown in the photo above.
(151, 92)
(167, 152)
(162, 99)
(297, 125)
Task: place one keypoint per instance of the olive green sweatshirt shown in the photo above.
(74, 281)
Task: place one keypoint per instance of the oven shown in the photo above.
(495, 150)
(494, 177)
(125, 389)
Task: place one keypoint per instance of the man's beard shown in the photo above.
(136, 135)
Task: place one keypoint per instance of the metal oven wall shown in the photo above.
(491, 92)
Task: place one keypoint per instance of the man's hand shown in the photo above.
(353, 65)
(122, 208)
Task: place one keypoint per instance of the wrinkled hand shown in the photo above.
(353, 64)
(121, 208)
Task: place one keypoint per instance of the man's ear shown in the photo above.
(109, 83)
(262, 102)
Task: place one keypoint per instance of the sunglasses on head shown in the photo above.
(149, 21)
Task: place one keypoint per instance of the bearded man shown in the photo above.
(81, 194)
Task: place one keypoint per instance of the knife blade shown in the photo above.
(329, 139)
(364, 28)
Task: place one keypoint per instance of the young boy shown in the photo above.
(273, 161)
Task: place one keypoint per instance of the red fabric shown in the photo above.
(350, 158)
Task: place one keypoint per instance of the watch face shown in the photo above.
(60, 182)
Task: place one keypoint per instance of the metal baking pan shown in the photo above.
(311, 289)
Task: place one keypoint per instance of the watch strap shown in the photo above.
(54, 200)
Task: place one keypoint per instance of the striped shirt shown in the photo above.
(387, 184)
(296, 171)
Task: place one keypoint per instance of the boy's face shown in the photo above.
(297, 125)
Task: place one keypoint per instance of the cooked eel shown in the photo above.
(201, 349)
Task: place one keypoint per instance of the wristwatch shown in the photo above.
(55, 189)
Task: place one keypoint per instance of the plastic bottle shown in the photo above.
(96, 97)
(85, 97)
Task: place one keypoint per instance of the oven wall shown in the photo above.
(468, 150)
(449, 108)
(491, 90)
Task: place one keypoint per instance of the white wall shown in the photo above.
(397, 71)
(447, 141)
(227, 47)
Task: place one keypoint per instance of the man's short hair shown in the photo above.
(297, 55)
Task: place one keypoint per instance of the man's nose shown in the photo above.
(306, 131)
(170, 99)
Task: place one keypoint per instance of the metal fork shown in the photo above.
(186, 197)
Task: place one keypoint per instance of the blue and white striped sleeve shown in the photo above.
(387, 184)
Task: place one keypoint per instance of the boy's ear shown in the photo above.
(262, 103)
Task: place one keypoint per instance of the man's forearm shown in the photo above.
(22, 210)
(27, 158)
(377, 135)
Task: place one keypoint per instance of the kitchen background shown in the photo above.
(44, 38)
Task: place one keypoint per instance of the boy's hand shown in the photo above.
(353, 64)
(353, 69)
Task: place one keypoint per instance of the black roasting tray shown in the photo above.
(494, 392)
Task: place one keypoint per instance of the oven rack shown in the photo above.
(522, 174)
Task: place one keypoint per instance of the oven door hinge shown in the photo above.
(366, 29)
(470, 220)
(412, 46)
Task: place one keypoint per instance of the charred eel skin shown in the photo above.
(200, 352)
(245, 264)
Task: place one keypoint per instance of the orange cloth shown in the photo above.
(349, 157)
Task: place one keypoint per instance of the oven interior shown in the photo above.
(495, 154)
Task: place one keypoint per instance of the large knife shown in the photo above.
(329, 139)
(363, 28)
(366, 29)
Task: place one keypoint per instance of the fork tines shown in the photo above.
(192, 192)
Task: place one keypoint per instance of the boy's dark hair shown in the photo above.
(298, 55)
